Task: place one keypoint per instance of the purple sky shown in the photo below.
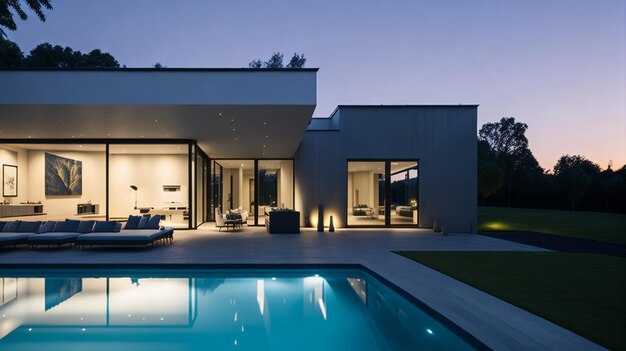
(559, 66)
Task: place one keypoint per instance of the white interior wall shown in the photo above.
(149, 173)
(16, 157)
(285, 192)
(362, 183)
(94, 182)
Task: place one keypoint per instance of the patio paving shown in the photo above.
(496, 323)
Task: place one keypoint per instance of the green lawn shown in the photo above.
(589, 225)
(583, 293)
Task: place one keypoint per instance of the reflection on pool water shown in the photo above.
(212, 310)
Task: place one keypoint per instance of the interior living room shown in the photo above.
(58, 181)
(238, 187)
(368, 190)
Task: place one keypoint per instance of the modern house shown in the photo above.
(190, 143)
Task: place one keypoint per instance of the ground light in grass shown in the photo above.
(580, 292)
(608, 227)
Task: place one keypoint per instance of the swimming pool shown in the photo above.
(229, 309)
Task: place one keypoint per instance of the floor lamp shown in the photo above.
(135, 189)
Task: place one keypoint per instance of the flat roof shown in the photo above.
(231, 112)
(150, 69)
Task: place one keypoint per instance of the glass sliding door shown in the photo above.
(404, 193)
(383, 193)
(150, 179)
(216, 189)
(366, 193)
(234, 194)
(53, 182)
(275, 185)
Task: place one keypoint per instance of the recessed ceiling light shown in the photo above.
(232, 119)
(267, 137)
(220, 113)
(264, 123)
(233, 129)
(236, 138)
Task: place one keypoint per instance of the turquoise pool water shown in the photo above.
(138, 310)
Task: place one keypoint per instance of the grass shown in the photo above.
(609, 227)
(581, 292)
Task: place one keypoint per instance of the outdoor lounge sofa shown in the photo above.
(84, 233)
(17, 232)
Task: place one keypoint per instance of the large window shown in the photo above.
(366, 193)
(150, 179)
(382, 193)
(237, 186)
(53, 181)
(404, 193)
(275, 181)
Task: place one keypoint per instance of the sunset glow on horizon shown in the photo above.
(558, 66)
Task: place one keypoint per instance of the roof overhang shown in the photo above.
(230, 112)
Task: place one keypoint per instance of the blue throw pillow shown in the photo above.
(47, 227)
(106, 227)
(58, 227)
(153, 222)
(133, 222)
(85, 227)
(143, 222)
(29, 227)
(71, 226)
(11, 226)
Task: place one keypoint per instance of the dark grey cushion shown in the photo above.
(85, 227)
(29, 227)
(142, 223)
(133, 222)
(153, 222)
(11, 226)
(106, 227)
(47, 227)
(71, 226)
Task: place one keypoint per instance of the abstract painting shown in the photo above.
(60, 290)
(9, 181)
(64, 176)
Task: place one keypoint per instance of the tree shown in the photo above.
(159, 65)
(276, 61)
(573, 176)
(46, 55)
(297, 61)
(490, 179)
(10, 54)
(7, 7)
(255, 64)
(508, 148)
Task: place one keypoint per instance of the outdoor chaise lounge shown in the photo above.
(137, 231)
(59, 233)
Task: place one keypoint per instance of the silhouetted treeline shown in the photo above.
(47, 56)
(510, 176)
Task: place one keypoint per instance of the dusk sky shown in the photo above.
(559, 66)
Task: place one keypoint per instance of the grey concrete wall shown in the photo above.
(442, 138)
